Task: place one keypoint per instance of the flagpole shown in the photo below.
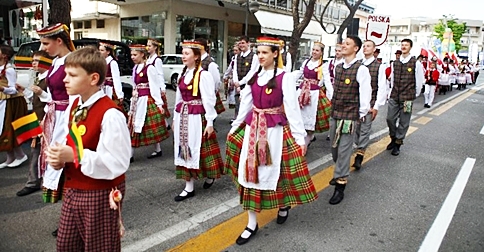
(45, 12)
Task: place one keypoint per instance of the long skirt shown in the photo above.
(15, 108)
(154, 129)
(219, 106)
(165, 106)
(211, 162)
(294, 187)
(323, 112)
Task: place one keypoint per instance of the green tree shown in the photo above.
(458, 28)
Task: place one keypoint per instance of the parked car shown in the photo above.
(172, 68)
(25, 75)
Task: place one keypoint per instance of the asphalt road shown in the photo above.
(390, 205)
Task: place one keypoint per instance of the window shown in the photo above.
(77, 35)
(87, 24)
(100, 23)
(170, 60)
(137, 30)
(78, 25)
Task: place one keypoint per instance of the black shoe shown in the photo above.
(332, 182)
(131, 160)
(27, 191)
(314, 139)
(208, 185)
(189, 195)
(55, 232)
(282, 219)
(155, 154)
(396, 150)
(358, 160)
(338, 194)
(391, 144)
(327, 138)
(427, 106)
(168, 127)
(242, 241)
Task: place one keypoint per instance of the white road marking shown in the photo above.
(437, 231)
(482, 131)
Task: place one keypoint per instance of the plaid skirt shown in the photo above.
(211, 162)
(323, 112)
(14, 109)
(294, 187)
(52, 196)
(154, 130)
(219, 106)
(165, 106)
(87, 223)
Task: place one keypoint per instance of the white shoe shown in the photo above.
(17, 162)
(3, 165)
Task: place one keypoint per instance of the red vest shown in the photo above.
(74, 178)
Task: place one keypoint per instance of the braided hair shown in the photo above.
(7, 53)
(272, 82)
(198, 61)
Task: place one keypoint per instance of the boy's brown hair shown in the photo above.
(89, 59)
(41, 53)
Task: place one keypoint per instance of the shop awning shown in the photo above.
(281, 25)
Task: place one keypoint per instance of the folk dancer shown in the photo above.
(431, 80)
(112, 85)
(329, 67)
(229, 81)
(407, 82)
(196, 149)
(378, 99)
(286, 57)
(444, 77)
(266, 146)
(146, 116)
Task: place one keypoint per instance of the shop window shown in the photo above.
(137, 30)
(87, 24)
(100, 23)
(78, 25)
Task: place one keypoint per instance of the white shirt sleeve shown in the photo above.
(328, 84)
(206, 87)
(229, 70)
(159, 68)
(419, 72)
(118, 88)
(288, 66)
(215, 72)
(111, 158)
(45, 96)
(11, 76)
(291, 109)
(381, 95)
(364, 79)
(154, 87)
(235, 76)
(326, 75)
(254, 67)
(246, 103)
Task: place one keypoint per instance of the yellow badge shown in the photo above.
(141, 74)
(190, 87)
(409, 69)
(246, 63)
(347, 81)
(268, 91)
(82, 130)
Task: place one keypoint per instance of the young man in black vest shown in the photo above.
(378, 99)
(406, 78)
(245, 65)
(349, 105)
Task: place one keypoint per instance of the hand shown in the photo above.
(208, 131)
(363, 119)
(238, 89)
(236, 84)
(2, 89)
(121, 100)
(36, 89)
(373, 112)
(304, 149)
(161, 110)
(19, 88)
(58, 155)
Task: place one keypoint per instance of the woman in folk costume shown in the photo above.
(146, 121)
(228, 80)
(57, 43)
(112, 85)
(266, 146)
(313, 94)
(12, 107)
(197, 153)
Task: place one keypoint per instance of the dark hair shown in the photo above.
(244, 38)
(204, 43)
(272, 82)
(89, 59)
(198, 61)
(8, 52)
(357, 41)
(110, 51)
(41, 53)
(408, 41)
(446, 59)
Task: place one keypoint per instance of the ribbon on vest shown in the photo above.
(305, 96)
(184, 151)
(258, 152)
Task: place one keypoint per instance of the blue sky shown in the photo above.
(462, 9)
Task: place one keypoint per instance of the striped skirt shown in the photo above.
(154, 130)
(211, 162)
(294, 187)
(165, 105)
(219, 106)
(14, 109)
(323, 112)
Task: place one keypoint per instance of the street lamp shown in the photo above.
(250, 6)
